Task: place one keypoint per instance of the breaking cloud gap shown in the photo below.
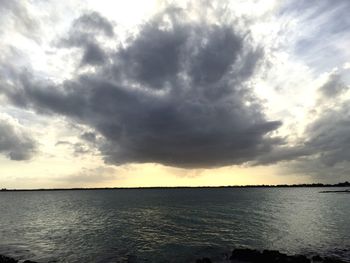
(326, 139)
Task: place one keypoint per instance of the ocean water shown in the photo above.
(171, 225)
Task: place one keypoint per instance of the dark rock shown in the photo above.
(270, 256)
(4, 259)
(298, 259)
(225, 256)
(203, 260)
(332, 260)
(273, 256)
(132, 259)
(246, 254)
(317, 258)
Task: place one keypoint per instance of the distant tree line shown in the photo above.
(345, 184)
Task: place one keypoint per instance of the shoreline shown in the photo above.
(239, 255)
(314, 185)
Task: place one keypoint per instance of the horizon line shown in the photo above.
(344, 184)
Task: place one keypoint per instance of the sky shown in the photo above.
(173, 93)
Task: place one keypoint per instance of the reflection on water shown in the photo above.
(178, 225)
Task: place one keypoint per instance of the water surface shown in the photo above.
(171, 225)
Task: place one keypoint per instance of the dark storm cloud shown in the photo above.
(15, 143)
(175, 94)
(90, 137)
(153, 58)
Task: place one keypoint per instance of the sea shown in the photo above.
(172, 225)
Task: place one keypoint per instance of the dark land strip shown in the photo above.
(345, 184)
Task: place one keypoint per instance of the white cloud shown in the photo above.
(346, 65)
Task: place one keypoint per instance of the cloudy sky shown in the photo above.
(164, 93)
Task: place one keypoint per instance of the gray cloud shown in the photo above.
(330, 135)
(93, 55)
(326, 139)
(176, 94)
(77, 147)
(83, 34)
(15, 143)
(333, 87)
(15, 15)
(284, 153)
(93, 23)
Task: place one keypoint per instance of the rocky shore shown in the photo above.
(246, 255)
(241, 256)
(4, 259)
